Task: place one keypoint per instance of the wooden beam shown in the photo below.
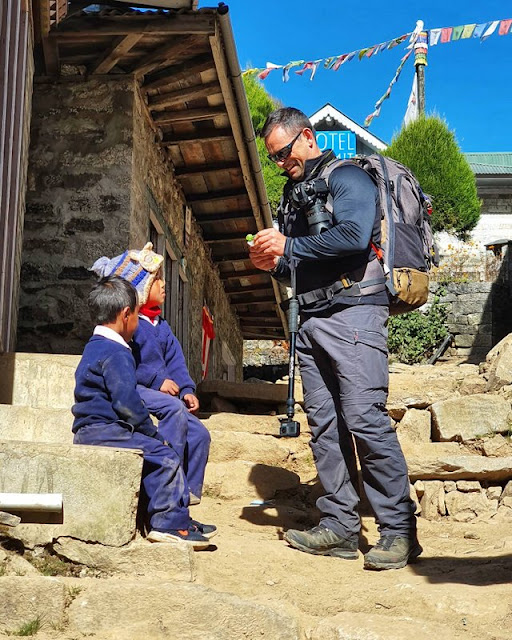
(256, 288)
(268, 324)
(166, 55)
(172, 24)
(205, 135)
(109, 60)
(179, 72)
(51, 56)
(228, 259)
(205, 169)
(166, 100)
(227, 237)
(251, 303)
(235, 275)
(188, 115)
(214, 196)
(234, 216)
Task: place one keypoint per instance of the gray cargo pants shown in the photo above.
(344, 368)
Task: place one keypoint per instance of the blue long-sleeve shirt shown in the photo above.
(105, 390)
(158, 356)
(345, 247)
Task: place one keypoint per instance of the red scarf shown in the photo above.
(150, 312)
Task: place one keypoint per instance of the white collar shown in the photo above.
(110, 334)
(153, 322)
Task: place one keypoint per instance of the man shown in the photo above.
(341, 345)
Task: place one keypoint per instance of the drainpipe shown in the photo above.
(264, 219)
(45, 502)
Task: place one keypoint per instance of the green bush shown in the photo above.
(413, 337)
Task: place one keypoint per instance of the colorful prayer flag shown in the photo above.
(435, 34)
(467, 32)
(457, 32)
(446, 34)
(490, 30)
(504, 27)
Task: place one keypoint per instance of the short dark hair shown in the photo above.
(291, 119)
(109, 297)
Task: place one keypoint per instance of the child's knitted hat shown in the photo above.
(141, 268)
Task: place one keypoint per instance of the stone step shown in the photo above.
(37, 379)
(35, 424)
(100, 488)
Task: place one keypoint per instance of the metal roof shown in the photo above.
(490, 163)
(186, 67)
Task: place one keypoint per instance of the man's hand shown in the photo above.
(170, 387)
(191, 402)
(268, 247)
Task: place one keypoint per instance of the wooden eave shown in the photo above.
(184, 73)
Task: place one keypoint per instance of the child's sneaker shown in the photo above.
(191, 536)
(208, 530)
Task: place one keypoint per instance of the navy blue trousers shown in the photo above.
(163, 478)
(344, 368)
(183, 431)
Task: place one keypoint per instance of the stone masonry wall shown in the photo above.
(156, 191)
(77, 206)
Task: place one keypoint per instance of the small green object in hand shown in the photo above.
(250, 239)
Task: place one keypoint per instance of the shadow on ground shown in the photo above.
(475, 570)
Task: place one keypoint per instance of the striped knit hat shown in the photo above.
(141, 268)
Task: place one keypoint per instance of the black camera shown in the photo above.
(310, 197)
(289, 428)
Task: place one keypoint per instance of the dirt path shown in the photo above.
(461, 582)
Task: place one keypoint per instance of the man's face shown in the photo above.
(293, 164)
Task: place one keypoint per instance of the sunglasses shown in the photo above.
(283, 153)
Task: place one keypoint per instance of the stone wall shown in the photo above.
(96, 179)
(77, 206)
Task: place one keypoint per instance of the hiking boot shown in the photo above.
(392, 552)
(191, 536)
(321, 541)
(208, 530)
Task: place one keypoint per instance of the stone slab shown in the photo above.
(100, 488)
(139, 558)
(24, 599)
(38, 379)
(113, 609)
(34, 424)
(235, 445)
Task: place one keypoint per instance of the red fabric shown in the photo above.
(150, 312)
(208, 336)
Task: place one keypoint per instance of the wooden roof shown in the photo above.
(186, 67)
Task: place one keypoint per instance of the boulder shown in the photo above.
(469, 417)
(495, 447)
(415, 426)
(432, 502)
(498, 364)
(464, 507)
(100, 489)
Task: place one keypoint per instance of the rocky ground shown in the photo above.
(250, 584)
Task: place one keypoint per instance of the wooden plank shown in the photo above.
(8, 519)
(227, 237)
(177, 49)
(251, 303)
(172, 24)
(205, 135)
(189, 171)
(246, 273)
(224, 217)
(51, 56)
(252, 289)
(178, 96)
(215, 196)
(188, 115)
(179, 72)
(109, 59)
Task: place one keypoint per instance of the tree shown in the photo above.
(430, 150)
(261, 104)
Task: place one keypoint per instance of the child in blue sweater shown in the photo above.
(108, 411)
(163, 380)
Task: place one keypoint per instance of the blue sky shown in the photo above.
(467, 82)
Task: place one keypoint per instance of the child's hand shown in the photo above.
(170, 387)
(191, 402)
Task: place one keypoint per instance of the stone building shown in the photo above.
(135, 128)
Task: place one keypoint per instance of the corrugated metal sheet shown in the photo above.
(490, 163)
(14, 26)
